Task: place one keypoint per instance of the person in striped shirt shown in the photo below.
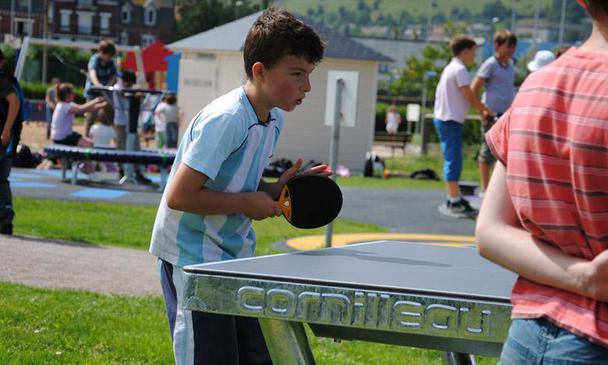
(545, 214)
(215, 188)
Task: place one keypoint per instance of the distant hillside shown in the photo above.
(414, 7)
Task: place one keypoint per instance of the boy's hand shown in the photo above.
(259, 206)
(596, 277)
(295, 170)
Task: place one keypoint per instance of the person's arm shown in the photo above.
(474, 101)
(89, 106)
(501, 239)
(187, 192)
(478, 84)
(49, 101)
(93, 77)
(13, 110)
(274, 189)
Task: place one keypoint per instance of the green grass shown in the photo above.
(41, 326)
(131, 225)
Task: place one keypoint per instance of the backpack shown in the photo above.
(374, 166)
(23, 156)
(22, 115)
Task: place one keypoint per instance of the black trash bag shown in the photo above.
(23, 156)
(424, 174)
(277, 167)
(374, 166)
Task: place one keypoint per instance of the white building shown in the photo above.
(212, 64)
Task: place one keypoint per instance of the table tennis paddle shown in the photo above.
(310, 201)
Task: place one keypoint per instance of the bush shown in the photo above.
(37, 91)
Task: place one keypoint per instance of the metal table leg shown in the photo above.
(287, 342)
(74, 172)
(457, 358)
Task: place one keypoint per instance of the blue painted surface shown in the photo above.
(173, 71)
(30, 184)
(22, 175)
(93, 193)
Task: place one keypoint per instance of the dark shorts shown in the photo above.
(71, 140)
(485, 154)
(207, 338)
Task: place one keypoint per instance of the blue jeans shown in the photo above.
(538, 341)
(450, 136)
(172, 131)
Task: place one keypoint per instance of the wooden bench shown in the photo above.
(71, 155)
(398, 140)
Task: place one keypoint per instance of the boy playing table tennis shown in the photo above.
(544, 215)
(215, 187)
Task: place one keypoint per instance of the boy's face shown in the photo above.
(468, 55)
(505, 51)
(286, 83)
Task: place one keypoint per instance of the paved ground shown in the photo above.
(124, 271)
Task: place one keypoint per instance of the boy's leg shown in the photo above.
(450, 136)
(198, 338)
(6, 199)
(252, 346)
(486, 159)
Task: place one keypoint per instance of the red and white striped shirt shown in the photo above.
(554, 144)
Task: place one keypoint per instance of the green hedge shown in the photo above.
(37, 91)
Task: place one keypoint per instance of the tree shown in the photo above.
(195, 16)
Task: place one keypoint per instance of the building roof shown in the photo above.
(231, 36)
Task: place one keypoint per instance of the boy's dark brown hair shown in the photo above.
(171, 99)
(505, 36)
(107, 47)
(461, 43)
(597, 8)
(276, 34)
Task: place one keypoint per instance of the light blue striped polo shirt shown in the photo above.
(226, 142)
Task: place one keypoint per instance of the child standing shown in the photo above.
(544, 214)
(497, 76)
(452, 101)
(168, 113)
(160, 125)
(215, 188)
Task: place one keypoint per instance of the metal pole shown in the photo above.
(12, 17)
(428, 22)
(45, 50)
(536, 18)
(333, 147)
(562, 22)
(513, 14)
(422, 104)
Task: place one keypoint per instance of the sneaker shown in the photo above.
(141, 179)
(459, 209)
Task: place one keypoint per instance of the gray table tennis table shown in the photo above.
(428, 296)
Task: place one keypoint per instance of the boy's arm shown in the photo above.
(501, 239)
(187, 192)
(474, 101)
(13, 110)
(478, 84)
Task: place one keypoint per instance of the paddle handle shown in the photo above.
(284, 203)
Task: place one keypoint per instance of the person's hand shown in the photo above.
(294, 170)
(5, 138)
(99, 99)
(595, 277)
(259, 205)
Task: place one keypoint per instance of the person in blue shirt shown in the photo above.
(497, 76)
(215, 188)
(101, 71)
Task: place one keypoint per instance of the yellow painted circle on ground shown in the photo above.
(313, 242)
